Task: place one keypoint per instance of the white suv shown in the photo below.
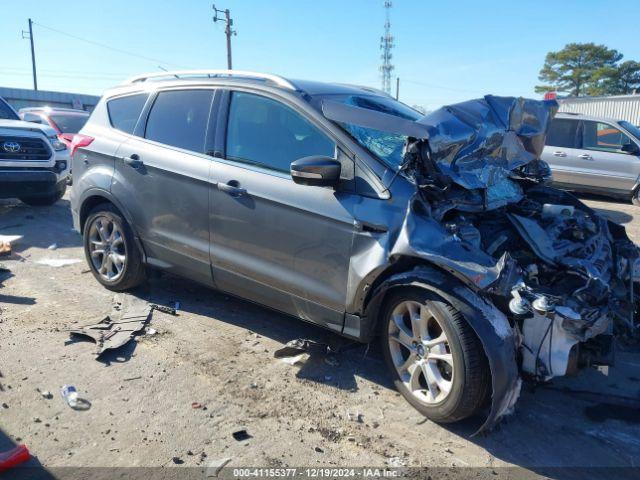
(34, 163)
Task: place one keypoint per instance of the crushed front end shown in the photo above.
(565, 275)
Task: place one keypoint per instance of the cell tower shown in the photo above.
(386, 44)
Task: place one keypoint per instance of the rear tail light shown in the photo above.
(78, 141)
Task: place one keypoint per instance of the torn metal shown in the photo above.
(129, 316)
(543, 280)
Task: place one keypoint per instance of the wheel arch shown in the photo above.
(94, 197)
(498, 338)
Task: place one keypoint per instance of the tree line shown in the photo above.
(588, 69)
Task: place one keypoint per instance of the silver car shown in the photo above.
(343, 207)
(596, 155)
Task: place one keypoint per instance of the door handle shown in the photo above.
(133, 161)
(232, 187)
(559, 154)
(585, 156)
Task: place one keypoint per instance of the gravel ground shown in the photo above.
(218, 354)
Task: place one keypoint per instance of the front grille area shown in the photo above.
(14, 148)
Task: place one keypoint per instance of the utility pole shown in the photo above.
(397, 88)
(228, 31)
(386, 44)
(29, 35)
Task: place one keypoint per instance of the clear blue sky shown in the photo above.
(446, 51)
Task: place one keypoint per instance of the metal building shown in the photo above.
(619, 107)
(19, 98)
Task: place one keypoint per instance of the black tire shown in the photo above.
(470, 384)
(635, 199)
(44, 201)
(133, 272)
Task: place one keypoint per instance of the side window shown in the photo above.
(124, 111)
(563, 133)
(31, 117)
(179, 118)
(265, 132)
(602, 137)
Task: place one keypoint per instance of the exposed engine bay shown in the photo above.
(562, 275)
(566, 274)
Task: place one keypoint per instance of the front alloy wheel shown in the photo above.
(420, 351)
(436, 360)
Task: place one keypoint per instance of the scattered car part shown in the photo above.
(241, 435)
(118, 328)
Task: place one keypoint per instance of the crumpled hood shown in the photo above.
(480, 142)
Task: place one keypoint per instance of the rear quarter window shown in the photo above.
(125, 111)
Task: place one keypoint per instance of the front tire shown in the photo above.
(45, 201)
(635, 199)
(111, 251)
(436, 360)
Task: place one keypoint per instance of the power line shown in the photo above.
(108, 47)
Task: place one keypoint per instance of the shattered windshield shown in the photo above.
(386, 146)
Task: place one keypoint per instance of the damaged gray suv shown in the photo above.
(343, 207)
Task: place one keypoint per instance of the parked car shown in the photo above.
(592, 154)
(65, 121)
(34, 163)
(341, 206)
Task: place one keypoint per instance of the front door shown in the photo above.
(603, 162)
(276, 242)
(162, 177)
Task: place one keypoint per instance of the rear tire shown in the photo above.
(436, 360)
(111, 250)
(45, 200)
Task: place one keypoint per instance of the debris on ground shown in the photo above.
(58, 262)
(196, 405)
(164, 308)
(213, 469)
(46, 394)
(128, 317)
(241, 435)
(70, 395)
(13, 457)
(53, 246)
(6, 242)
(356, 417)
(300, 346)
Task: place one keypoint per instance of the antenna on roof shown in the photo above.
(386, 44)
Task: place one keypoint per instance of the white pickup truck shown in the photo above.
(34, 163)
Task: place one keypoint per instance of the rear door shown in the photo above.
(604, 164)
(281, 244)
(562, 151)
(162, 177)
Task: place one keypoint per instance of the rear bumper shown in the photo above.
(30, 183)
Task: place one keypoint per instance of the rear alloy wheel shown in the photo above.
(110, 249)
(436, 360)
